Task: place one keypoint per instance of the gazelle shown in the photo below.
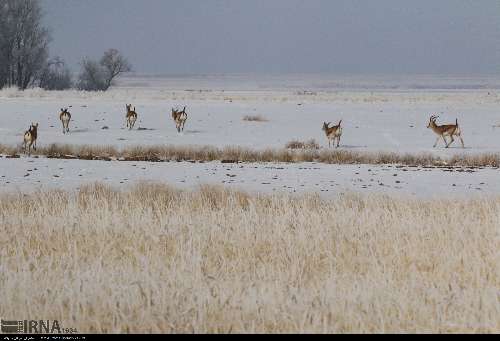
(180, 118)
(65, 118)
(333, 133)
(131, 116)
(442, 131)
(30, 137)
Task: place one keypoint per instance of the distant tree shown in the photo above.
(23, 43)
(56, 75)
(91, 77)
(114, 64)
(99, 76)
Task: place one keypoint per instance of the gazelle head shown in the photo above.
(432, 121)
(326, 126)
(129, 107)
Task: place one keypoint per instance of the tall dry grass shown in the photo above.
(154, 259)
(306, 152)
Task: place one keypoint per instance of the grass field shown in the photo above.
(156, 259)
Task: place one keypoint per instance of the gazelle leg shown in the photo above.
(461, 140)
(452, 140)
(437, 141)
(445, 142)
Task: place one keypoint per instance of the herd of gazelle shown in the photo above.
(442, 131)
(30, 136)
(333, 133)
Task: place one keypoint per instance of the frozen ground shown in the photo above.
(381, 120)
(29, 174)
(378, 115)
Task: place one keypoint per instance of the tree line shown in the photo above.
(25, 61)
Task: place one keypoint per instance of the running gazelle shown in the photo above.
(65, 118)
(30, 137)
(180, 118)
(333, 133)
(442, 131)
(131, 116)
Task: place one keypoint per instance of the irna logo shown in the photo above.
(31, 327)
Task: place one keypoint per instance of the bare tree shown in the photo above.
(91, 77)
(114, 64)
(56, 75)
(23, 42)
(6, 41)
(99, 76)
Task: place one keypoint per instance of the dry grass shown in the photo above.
(296, 144)
(241, 154)
(156, 259)
(255, 118)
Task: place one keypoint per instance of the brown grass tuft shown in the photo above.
(296, 144)
(255, 118)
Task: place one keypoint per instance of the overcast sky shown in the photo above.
(282, 36)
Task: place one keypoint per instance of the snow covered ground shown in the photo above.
(378, 115)
(390, 120)
(29, 174)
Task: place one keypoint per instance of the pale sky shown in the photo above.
(282, 36)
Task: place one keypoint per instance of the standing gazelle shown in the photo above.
(131, 116)
(65, 118)
(180, 118)
(30, 137)
(442, 131)
(333, 133)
